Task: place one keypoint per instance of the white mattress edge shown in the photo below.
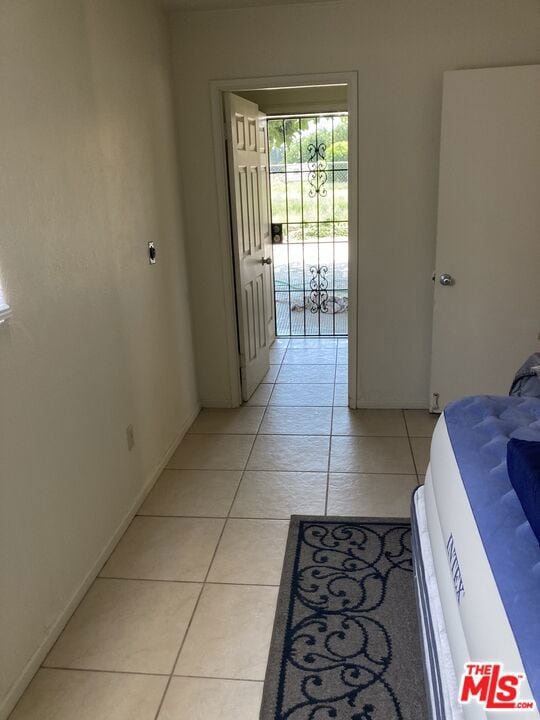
(483, 624)
(453, 709)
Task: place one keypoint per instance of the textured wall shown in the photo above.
(400, 50)
(98, 338)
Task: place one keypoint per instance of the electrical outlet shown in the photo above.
(130, 435)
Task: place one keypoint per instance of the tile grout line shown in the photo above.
(188, 582)
(216, 677)
(101, 670)
(330, 441)
(225, 519)
(171, 674)
(203, 585)
(301, 407)
(280, 365)
(205, 582)
(410, 445)
(345, 472)
(145, 674)
(99, 577)
(232, 517)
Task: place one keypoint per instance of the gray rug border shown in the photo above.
(271, 676)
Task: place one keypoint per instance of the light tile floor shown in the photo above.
(178, 625)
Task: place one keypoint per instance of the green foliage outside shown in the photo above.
(324, 215)
(289, 139)
(339, 151)
(288, 206)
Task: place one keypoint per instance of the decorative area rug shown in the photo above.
(346, 640)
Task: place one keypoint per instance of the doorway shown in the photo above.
(323, 290)
(308, 166)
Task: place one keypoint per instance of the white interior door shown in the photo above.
(487, 317)
(248, 183)
(266, 227)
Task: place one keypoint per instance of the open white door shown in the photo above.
(249, 183)
(266, 227)
(487, 280)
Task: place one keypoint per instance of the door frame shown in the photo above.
(217, 89)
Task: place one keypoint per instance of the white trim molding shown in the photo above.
(217, 89)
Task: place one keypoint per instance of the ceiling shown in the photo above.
(229, 4)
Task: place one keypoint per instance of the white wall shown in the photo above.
(98, 338)
(325, 98)
(400, 50)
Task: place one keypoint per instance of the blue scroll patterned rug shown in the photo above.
(346, 641)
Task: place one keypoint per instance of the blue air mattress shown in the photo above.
(479, 429)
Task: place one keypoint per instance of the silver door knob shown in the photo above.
(266, 261)
(446, 279)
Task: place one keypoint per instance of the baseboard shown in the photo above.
(35, 662)
(380, 405)
(391, 405)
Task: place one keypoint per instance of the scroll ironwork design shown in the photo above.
(317, 165)
(319, 289)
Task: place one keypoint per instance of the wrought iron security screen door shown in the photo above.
(309, 198)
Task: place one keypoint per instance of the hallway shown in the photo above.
(178, 624)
